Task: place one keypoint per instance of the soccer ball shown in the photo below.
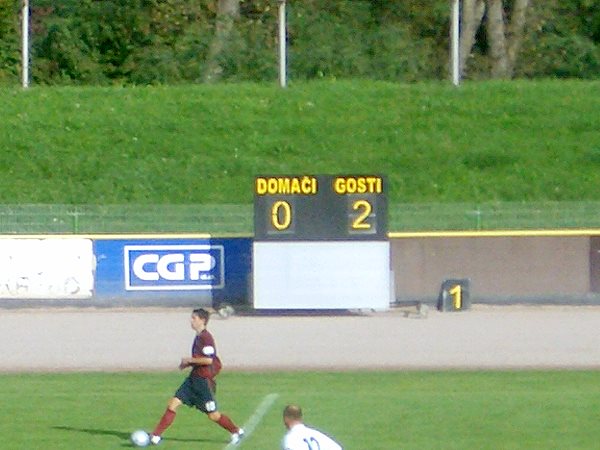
(140, 438)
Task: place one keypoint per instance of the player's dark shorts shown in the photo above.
(199, 393)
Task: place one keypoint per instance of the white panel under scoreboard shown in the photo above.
(320, 242)
(322, 275)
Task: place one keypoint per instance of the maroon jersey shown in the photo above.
(204, 347)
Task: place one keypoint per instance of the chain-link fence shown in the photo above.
(82, 219)
(235, 219)
(494, 216)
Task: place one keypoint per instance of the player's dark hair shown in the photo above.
(202, 313)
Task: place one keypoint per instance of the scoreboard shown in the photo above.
(321, 242)
(320, 207)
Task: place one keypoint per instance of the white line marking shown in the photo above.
(255, 419)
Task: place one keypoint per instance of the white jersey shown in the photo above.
(301, 437)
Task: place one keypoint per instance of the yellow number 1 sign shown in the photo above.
(454, 295)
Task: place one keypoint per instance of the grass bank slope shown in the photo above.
(481, 142)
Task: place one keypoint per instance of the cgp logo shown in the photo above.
(174, 267)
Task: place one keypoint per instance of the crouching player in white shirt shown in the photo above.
(301, 437)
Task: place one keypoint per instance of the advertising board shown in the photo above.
(46, 269)
(205, 271)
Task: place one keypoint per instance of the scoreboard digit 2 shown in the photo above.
(320, 207)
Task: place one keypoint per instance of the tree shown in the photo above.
(504, 29)
(505, 36)
(472, 14)
(228, 11)
(9, 43)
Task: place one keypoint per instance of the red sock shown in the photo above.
(226, 423)
(165, 421)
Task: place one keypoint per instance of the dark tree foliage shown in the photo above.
(167, 41)
(9, 40)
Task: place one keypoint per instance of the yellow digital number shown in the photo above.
(456, 293)
(364, 209)
(281, 215)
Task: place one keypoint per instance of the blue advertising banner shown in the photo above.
(176, 267)
(205, 272)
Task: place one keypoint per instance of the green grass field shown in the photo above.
(487, 155)
(484, 142)
(198, 144)
(363, 410)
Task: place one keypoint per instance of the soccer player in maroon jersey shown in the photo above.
(198, 389)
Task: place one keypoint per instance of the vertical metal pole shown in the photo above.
(455, 42)
(282, 44)
(25, 44)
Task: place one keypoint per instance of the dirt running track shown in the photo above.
(155, 339)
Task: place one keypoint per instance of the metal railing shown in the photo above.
(92, 219)
(494, 216)
(236, 219)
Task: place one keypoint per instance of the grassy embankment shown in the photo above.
(506, 141)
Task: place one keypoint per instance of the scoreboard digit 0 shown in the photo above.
(320, 207)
